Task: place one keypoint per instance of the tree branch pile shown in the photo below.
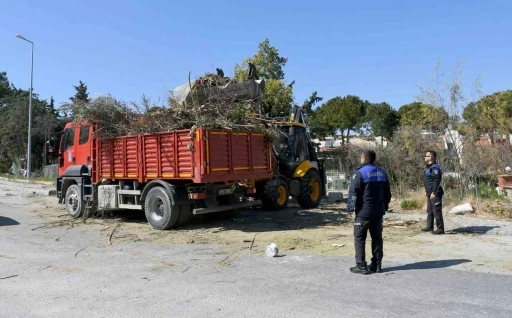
(211, 101)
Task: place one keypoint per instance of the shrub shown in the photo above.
(410, 205)
(487, 191)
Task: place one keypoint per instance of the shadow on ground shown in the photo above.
(475, 229)
(5, 221)
(427, 265)
(254, 219)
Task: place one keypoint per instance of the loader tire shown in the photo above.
(310, 190)
(274, 194)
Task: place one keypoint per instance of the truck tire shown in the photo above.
(160, 213)
(275, 193)
(310, 190)
(185, 213)
(75, 206)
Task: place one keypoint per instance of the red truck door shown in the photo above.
(75, 146)
(83, 154)
(67, 148)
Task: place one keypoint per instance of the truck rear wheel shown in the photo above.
(275, 193)
(185, 213)
(75, 206)
(160, 212)
(310, 190)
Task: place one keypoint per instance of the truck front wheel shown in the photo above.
(75, 206)
(160, 213)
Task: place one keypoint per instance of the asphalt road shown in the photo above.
(144, 279)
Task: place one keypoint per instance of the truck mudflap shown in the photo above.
(226, 207)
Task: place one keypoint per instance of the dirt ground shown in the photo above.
(485, 244)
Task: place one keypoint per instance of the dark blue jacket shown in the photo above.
(369, 194)
(432, 180)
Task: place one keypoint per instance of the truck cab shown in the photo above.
(75, 163)
(75, 146)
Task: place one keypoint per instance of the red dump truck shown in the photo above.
(170, 175)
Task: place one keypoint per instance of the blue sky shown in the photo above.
(378, 50)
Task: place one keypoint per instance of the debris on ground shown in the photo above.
(54, 224)
(399, 223)
(9, 277)
(272, 250)
(338, 245)
(462, 209)
(112, 233)
(83, 248)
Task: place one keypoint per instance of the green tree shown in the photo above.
(269, 64)
(383, 120)
(424, 116)
(489, 115)
(5, 87)
(316, 126)
(308, 104)
(278, 96)
(343, 114)
(14, 126)
(81, 93)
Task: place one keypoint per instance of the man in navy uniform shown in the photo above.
(434, 192)
(369, 196)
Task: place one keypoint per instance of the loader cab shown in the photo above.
(75, 147)
(293, 148)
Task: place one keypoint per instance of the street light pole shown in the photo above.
(29, 143)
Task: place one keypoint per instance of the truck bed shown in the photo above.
(203, 156)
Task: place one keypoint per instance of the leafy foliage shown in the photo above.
(383, 119)
(278, 96)
(14, 124)
(410, 205)
(343, 113)
(424, 116)
(81, 94)
(490, 114)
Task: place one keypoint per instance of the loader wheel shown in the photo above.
(161, 214)
(75, 206)
(310, 190)
(275, 194)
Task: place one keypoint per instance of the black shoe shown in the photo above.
(360, 270)
(438, 232)
(427, 230)
(375, 268)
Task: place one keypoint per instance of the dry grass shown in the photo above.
(495, 209)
